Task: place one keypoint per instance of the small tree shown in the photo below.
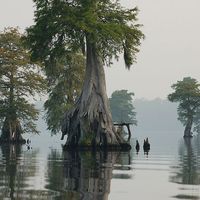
(122, 108)
(19, 80)
(187, 93)
(64, 87)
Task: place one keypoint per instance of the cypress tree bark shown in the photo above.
(89, 123)
(188, 128)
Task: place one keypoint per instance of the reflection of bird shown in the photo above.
(28, 144)
(137, 147)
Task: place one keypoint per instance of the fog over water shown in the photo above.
(156, 115)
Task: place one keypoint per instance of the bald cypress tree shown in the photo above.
(101, 30)
(19, 81)
(187, 94)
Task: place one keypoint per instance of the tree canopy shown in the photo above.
(20, 79)
(64, 26)
(122, 109)
(187, 94)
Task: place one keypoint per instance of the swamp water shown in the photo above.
(171, 170)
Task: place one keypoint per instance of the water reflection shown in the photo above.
(187, 170)
(45, 172)
(85, 175)
(14, 171)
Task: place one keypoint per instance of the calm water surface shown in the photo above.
(171, 170)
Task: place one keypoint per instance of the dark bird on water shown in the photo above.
(137, 147)
(146, 145)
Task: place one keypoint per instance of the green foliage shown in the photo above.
(66, 26)
(187, 93)
(19, 80)
(122, 107)
(64, 88)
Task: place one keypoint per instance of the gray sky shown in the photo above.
(169, 52)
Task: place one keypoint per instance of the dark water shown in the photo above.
(171, 170)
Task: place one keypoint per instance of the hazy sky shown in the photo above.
(169, 52)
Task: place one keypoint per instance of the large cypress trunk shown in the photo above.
(11, 132)
(89, 123)
(188, 128)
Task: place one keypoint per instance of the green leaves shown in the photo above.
(20, 79)
(122, 107)
(60, 26)
(187, 93)
(64, 88)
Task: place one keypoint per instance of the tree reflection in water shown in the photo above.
(187, 170)
(14, 171)
(83, 175)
